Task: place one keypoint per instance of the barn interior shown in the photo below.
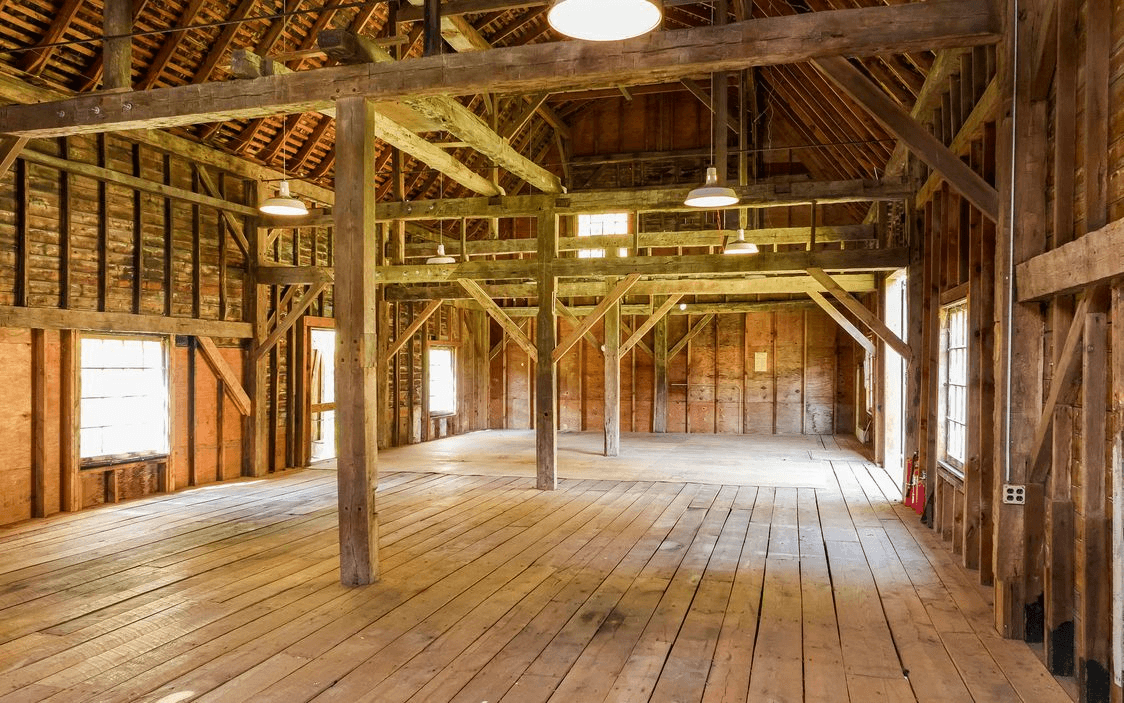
(466, 351)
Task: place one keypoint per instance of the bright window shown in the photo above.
(442, 381)
(597, 225)
(954, 382)
(124, 408)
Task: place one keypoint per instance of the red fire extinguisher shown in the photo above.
(915, 489)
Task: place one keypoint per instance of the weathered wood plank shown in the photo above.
(553, 67)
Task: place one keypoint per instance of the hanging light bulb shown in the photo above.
(711, 194)
(605, 20)
(283, 203)
(740, 246)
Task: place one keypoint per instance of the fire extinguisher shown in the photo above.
(915, 492)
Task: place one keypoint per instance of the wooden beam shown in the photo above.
(691, 334)
(659, 376)
(843, 322)
(283, 324)
(459, 121)
(39, 432)
(774, 285)
(497, 314)
(859, 310)
(614, 296)
(386, 129)
(117, 47)
(234, 226)
(1086, 261)
(230, 381)
(106, 175)
(1065, 368)
(10, 149)
(283, 275)
(356, 249)
(568, 313)
(397, 345)
(553, 67)
(652, 240)
(56, 319)
(612, 380)
(70, 399)
(546, 372)
(786, 262)
(764, 194)
(704, 97)
(659, 314)
(984, 111)
(927, 147)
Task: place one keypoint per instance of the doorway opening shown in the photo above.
(894, 383)
(322, 393)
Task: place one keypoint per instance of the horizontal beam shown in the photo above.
(773, 285)
(787, 262)
(56, 319)
(760, 195)
(278, 275)
(1089, 260)
(651, 240)
(553, 67)
(107, 175)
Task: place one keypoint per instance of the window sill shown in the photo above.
(950, 471)
(106, 462)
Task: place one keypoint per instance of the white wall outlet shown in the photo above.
(1014, 494)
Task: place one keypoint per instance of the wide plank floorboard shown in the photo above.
(625, 584)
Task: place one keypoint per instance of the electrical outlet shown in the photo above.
(1014, 494)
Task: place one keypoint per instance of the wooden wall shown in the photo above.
(806, 387)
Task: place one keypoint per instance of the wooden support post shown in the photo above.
(659, 377)
(1094, 625)
(1021, 235)
(546, 384)
(613, 381)
(192, 437)
(168, 474)
(356, 342)
(39, 373)
(117, 51)
(1116, 478)
(70, 483)
(256, 428)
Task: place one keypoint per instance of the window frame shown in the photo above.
(588, 221)
(452, 349)
(953, 385)
(110, 459)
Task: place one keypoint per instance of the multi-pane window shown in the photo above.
(596, 225)
(954, 382)
(124, 409)
(442, 381)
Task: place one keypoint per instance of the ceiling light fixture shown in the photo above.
(605, 20)
(441, 258)
(283, 204)
(740, 246)
(711, 194)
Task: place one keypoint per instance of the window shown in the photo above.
(597, 225)
(442, 381)
(124, 409)
(954, 383)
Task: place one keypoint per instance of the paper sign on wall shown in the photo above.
(761, 362)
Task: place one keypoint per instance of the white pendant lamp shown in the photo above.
(283, 203)
(711, 194)
(740, 246)
(605, 20)
(441, 258)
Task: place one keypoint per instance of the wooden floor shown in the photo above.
(604, 590)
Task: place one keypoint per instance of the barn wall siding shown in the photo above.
(806, 386)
